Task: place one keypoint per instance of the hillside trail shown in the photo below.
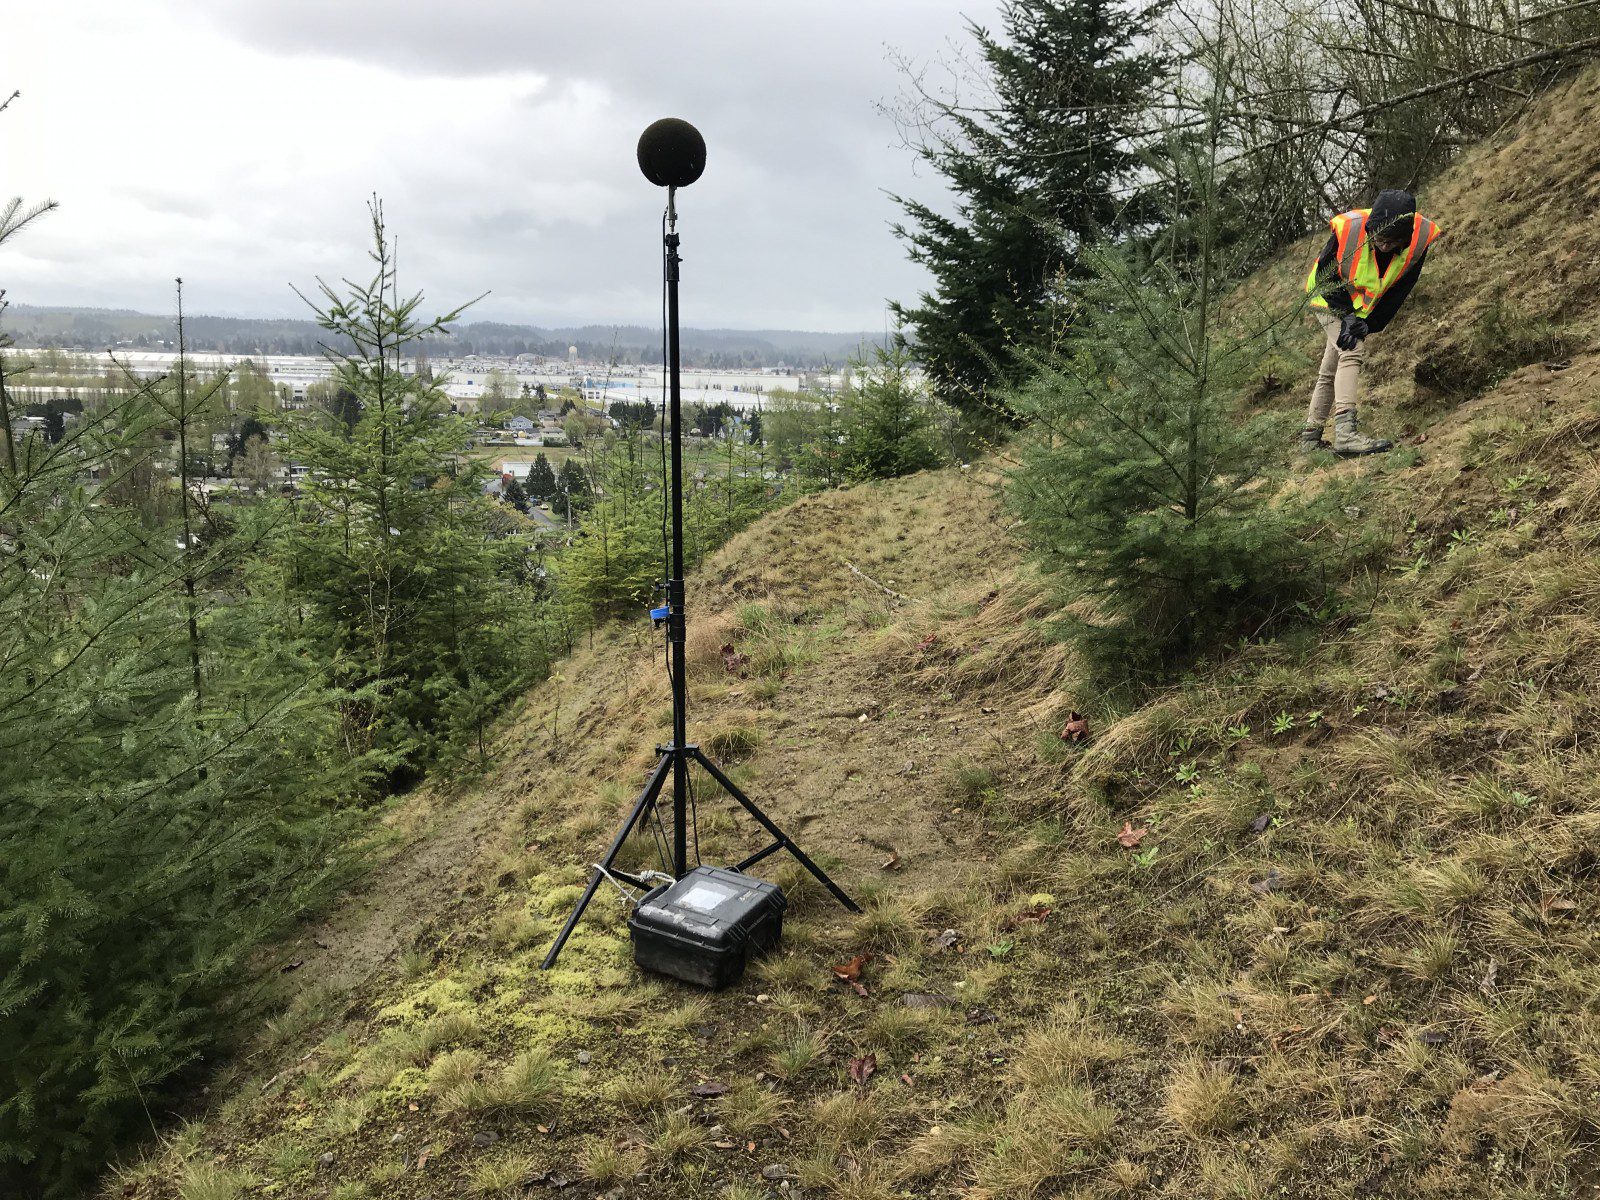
(855, 754)
(429, 869)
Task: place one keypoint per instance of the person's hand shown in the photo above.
(1351, 330)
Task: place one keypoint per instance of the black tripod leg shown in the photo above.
(646, 799)
(767, 824)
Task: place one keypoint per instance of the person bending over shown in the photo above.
(1357, 285)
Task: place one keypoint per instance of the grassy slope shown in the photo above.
(1355, 954)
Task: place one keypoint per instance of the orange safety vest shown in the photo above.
(1357, 263)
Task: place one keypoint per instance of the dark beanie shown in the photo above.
(1391, 207)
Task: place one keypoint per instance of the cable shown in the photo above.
(659, 833)
(694, 819)
(666, 551)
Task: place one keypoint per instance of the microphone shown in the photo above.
(672, 154)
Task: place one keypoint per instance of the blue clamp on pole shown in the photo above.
(659, 615)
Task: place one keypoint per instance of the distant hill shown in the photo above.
(98, 328)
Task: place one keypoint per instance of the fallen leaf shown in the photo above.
(1076, 728)
(1549, 905)
(726, 1145)
(1372, 999)
(905, 1079)
(851, 971)
(733, 660)
(927, 643)
(422, 1159)
(1265, 885)
(1130, 837)
(1030, 916)
(892, 863)
(863, 1069)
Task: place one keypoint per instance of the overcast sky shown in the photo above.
(234, 143)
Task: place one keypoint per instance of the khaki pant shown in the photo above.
(1338, 376)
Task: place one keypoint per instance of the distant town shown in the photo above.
(529, 413)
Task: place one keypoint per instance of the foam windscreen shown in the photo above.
(672, 153)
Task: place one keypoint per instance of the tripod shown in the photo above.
(677, 757)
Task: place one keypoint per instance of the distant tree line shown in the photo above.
(634, 345)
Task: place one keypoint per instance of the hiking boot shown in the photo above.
(1310, 440)
(1348, 441)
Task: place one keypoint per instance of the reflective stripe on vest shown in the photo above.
(1358, 267)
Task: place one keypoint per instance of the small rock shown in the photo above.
(776, 1171)
(557, 1180)
(709, 1090)
(328, 1159)
(486, 1137)
(584, 1058)
(396, 1139)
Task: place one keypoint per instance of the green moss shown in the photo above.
(409, 1084)
(439, 996)
(558, 900)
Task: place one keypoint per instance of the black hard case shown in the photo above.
(709, 949)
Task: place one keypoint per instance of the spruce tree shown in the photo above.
(888, 425)
(1150, 499)
(167, 769)
(515, 495)
(394, 551)
(541, 478)
(572, 489)
(1035, 175)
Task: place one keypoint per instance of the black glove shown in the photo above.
(1351, 330)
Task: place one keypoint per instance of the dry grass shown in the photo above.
(1047, 1140)
(606, 1163)
(796, 1056)
(1065, 1049)
(504, 1174)
(1203, 1098)
(704, 638)
(207, 1181)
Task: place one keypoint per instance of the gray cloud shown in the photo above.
(501, 136)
